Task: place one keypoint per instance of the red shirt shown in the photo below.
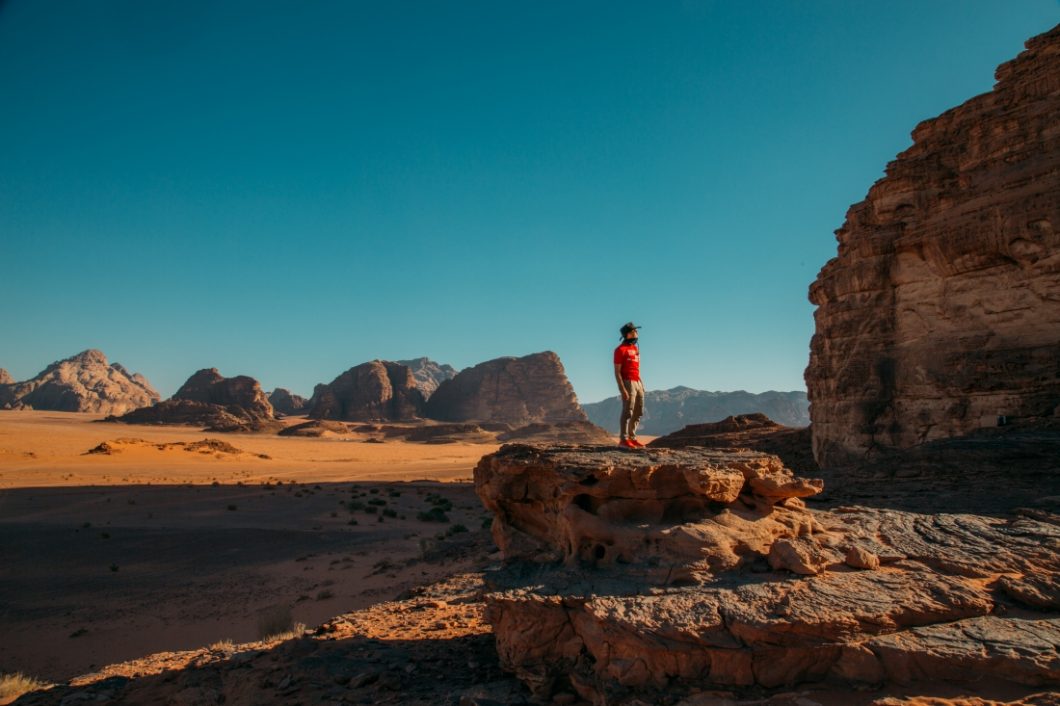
(628, 356)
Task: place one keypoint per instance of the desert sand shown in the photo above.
(164, 544)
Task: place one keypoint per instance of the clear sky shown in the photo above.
(287, 189)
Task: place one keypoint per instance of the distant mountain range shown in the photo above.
(666, 411)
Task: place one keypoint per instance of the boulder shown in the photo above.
(517, 391)
(377, 390)
(85, 382)
(941, 311)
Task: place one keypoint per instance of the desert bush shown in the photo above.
(14, 685)
(435, 514)
(275, 621)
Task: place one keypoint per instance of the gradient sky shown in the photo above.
(287, 189)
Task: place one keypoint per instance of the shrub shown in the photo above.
(14, 685)
(435, 514)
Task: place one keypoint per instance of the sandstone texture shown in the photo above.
(518, 391)
(666, 411)
(213, 401)
(377, 390)
(648, 577)
(85, 382)
(752, 431)
(283, 401)
(428, 374)
(941, 312)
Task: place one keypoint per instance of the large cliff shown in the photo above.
(85, 382)
(941, 312)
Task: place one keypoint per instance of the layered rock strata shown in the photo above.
(213, 401)
(654, 575)
(85, 382)
(377, 390)
(941, 312)
(518, 391)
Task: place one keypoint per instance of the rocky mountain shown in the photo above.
(5, 377)
(211, 400)
(377, 390)
(940, 314)
(518, 391)
(429, 375)
(284, 401)
(85, 382)
(666, 411)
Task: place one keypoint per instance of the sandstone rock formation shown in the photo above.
(377, 390)
(429, 375)
(654, 575)
(666, 411)
(284, 402)
(750, 431)
(941, 313)
(85, 382)
(5, 377)
(518, 391)
(211, 400)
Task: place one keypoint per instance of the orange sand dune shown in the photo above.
(41, 449)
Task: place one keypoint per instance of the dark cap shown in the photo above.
(627, 328)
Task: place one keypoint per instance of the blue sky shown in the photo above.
(286, 189)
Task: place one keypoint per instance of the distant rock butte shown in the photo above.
(378, 390)
(85, 382)
(941, 312)
(5, 377)
(284, 402)
(428, 374)
(666, 411)
(518, 391)
(651, 576)
(211, 400)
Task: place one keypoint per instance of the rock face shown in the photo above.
(378, 390)
(5, 377)
(429, 375)
(284, 402)
(85, 382)
(941, 312)
(518, 391)
(749, 431)
(209, 399)
(655, 575)
(666, 411)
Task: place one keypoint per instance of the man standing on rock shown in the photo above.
(627, 373)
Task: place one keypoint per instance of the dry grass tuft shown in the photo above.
(14, 685)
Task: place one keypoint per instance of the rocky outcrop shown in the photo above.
(428, 374)
(748, 431)
(517, 391)
(940, 314)
(5, 377)
(285, 402)
(666, 411)
(213, 401)
(659, 574)
(378, 390)
(85, 382)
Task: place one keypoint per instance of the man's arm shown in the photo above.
(618, 378)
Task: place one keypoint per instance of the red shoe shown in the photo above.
(636, 443)
(627, 444)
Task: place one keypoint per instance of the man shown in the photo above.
(627, 374)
